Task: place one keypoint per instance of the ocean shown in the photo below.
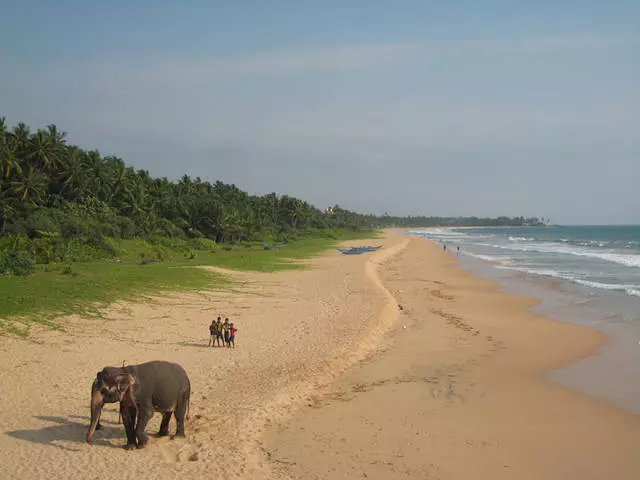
(589, 275)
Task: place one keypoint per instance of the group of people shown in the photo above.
(222, 332)
(444, 247)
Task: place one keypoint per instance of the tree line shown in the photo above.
(51, 187)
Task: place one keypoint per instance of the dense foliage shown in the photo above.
(57, 198)
(52, 188)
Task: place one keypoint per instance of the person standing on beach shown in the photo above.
(213, 333)
(458, 251)
(225, 331)
(219, 337)
(232, 336)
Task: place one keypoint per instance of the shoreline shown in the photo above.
(611, 373)
(467, 385)
(597, 374)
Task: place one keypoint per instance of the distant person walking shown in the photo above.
(458, 251)
(445, 247)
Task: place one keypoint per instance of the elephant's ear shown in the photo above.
(125, 386)
(125, 382)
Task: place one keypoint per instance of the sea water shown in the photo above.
(588, 275)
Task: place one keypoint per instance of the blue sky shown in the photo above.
(410, 107)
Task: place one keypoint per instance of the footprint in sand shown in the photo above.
(439, 295)
(455, 321)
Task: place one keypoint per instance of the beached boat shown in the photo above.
(353, 251)
(359, 250)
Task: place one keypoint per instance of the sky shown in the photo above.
(408, 107)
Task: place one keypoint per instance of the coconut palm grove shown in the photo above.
(57, 197)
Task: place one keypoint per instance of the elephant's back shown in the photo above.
(162, 366)
(163, 382)
(163, 372)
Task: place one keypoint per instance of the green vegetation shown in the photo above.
(54, 190)
(84, 287)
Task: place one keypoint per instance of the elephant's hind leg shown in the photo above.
(164, 426)
(180, 414)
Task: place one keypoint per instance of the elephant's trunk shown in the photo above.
(97, 402)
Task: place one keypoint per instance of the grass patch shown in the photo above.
(258, 259)
(84, 287)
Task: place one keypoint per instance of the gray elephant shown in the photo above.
(142, 389)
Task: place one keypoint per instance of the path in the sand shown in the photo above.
(279, 408)
(297, 330)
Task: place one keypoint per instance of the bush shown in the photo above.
(165, 228)
(204, 244)
(13, 262)
(127, 227)
(66, 270)
(44, 250)
(14, 242)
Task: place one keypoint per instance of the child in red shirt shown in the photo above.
(232, 336)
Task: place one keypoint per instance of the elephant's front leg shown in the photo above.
(144, 415)
(128, 413)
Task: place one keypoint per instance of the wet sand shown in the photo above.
(325, 382)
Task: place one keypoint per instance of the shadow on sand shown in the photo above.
(68, 430)
(200, 345)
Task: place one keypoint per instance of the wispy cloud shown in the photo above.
(312, 61)
(179, 71)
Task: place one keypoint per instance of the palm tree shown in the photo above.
(31, 187)
(7, 207)
(73, 174)
(44, 152)
(57, 138)
(19, 139)
(96, 174)
(8, 161)
(118, 178)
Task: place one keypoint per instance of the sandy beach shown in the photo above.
(393, 364)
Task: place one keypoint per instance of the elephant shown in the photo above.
(142, 389)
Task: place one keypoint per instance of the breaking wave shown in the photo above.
(627, 259)
(547, 272)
